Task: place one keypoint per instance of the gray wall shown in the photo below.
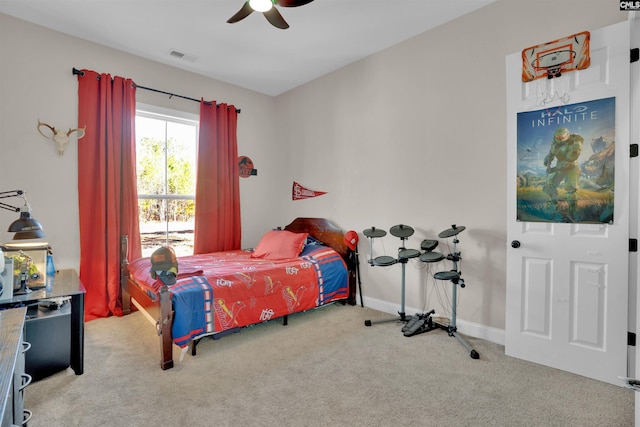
(413, 135)
(418, 135)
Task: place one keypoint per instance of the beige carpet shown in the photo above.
(324, 369)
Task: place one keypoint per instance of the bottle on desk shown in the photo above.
(51, 272)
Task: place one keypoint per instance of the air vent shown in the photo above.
(182, 55)
(176, 54)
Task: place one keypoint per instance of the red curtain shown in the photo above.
(217, 213)
(107, 188)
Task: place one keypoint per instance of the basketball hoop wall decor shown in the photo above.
(552, 59)
(299, 192)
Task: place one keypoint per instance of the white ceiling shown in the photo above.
(324, 35)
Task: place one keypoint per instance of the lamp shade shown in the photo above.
(34, 234)
(26, 227)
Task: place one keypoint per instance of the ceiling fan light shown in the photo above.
(260, 5)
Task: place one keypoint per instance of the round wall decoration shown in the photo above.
(245, 166)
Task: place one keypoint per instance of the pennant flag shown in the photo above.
(299, 192)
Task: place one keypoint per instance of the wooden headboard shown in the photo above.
(323, 230)
(331, 235)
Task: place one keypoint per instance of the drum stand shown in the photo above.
(456, 280)
(423, 322)
(403, 232)
(356, 260)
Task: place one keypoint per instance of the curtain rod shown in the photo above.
(78, 72)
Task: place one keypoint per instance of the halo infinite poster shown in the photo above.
(565, 164)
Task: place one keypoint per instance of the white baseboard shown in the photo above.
(471, 329)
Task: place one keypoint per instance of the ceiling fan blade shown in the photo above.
(241, 14)
(292, 3)
(274, 17)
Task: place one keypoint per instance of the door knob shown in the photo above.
(515, 244)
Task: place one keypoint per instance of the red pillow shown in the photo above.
(280, 244)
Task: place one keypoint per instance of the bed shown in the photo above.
(220, 293)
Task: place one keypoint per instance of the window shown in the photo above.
(166, 146)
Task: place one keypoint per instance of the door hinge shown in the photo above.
(635, 55)
(633, 245)
(631, 339)
(633, 151)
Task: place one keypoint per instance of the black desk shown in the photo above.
(66, 284)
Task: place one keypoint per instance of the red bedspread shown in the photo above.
(224, 290)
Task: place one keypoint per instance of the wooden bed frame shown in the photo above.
(159, 310)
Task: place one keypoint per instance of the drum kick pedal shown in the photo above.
(419, 324)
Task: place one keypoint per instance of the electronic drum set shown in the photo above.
(424, 322)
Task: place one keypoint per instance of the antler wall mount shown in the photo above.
(59, 138)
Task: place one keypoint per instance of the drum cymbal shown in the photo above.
(455, 229)
(402, 231)
(374, 232)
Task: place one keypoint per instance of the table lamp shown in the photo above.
(24, 227)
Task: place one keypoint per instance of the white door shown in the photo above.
(567, 283)
(634, 174)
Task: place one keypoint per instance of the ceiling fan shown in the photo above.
(268, 9)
